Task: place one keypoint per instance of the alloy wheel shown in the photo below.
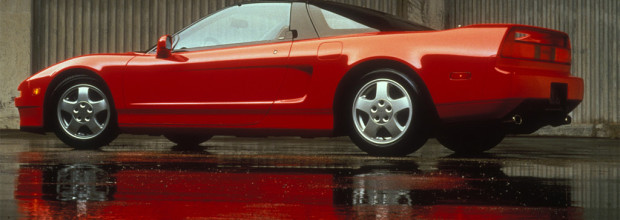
(382, 111)
(83, 111)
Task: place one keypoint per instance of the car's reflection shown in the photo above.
(212, 186)
(81, 182)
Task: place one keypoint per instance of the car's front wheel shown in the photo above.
(83, 112)
(385, 114)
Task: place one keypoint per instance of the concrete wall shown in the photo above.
(431, 13)
(15, 55)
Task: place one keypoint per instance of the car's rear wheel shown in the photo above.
(471, 140)
(187, 140)
(385, 114)
(83, 113)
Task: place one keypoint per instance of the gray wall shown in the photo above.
(594, 30)
(15, 32)
(15, 55)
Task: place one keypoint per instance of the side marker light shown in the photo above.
(460, 75)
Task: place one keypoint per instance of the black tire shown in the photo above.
(103, 116)
(385, 142)
(471, 140)
(187, 140)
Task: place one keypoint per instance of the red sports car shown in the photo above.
(313, 69)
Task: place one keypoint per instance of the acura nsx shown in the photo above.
(313, 69)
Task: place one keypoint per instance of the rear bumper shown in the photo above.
(546, 100)
(536, 113)
(540, 86)
(539, 99)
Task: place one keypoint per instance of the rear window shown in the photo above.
(335, 21)
(332, 19)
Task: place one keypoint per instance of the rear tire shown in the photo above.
(473, 140)
(188, 140)
(385, 114)
(83, 113)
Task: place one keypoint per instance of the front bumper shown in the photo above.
(30, 106)
(31, 116)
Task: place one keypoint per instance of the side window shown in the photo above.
(338, 22)
(329, 23)
(246, 23)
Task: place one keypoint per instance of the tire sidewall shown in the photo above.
(412, 139)
(109, 133)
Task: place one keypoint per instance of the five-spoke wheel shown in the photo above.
(84, 114)
(384, 114)
(83, 111)
(382, 111)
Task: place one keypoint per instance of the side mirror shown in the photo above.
(164, 46)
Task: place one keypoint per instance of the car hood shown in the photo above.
(93, 62)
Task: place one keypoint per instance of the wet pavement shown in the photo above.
(142, 177)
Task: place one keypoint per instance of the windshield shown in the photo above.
(238, 24)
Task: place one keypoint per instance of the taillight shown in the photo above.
(537, 44)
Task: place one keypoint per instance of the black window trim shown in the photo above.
(301, 22)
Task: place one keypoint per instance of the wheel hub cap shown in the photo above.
(382, 111)
(83, 112)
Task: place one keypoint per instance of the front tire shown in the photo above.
(84, 116)
(385, 114)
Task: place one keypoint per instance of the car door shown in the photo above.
(224, 70)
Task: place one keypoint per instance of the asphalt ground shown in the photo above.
(143, 177)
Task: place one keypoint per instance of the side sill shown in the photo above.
(240, 132)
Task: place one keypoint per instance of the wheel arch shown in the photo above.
(48, 114)
(352, 77)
